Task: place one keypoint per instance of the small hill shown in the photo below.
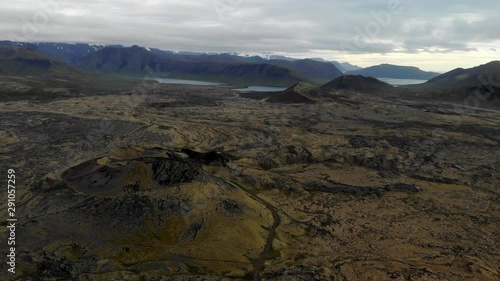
(480, 82)
(394, 72)
(484, 74)
(298, 93)
(359, 84)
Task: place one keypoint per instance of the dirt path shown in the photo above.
(259, 262)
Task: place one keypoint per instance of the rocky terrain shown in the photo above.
(197, 183)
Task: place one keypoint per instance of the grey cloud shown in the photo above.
(257, 26)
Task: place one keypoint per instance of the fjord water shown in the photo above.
(186, 82)
(205, 83)
(261, 89)
(394, 82)
(402, 82)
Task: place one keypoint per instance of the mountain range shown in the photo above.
(227, 68)
(136, 61)
(268, 69)
(68, 61)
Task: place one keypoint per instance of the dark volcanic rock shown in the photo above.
(120, 177)
(290, 95)
(174, 171)
(231, 207)
(296, 273)
(211, 158)
(91, 175)
(193, 230)
(339, 188)
(55, 267)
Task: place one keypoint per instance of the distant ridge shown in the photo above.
(394, 72)
(345, 66)
(27, 62)
(64, 52)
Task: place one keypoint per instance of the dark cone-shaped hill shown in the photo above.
(359, 84)
(142, 208)
(298, 93)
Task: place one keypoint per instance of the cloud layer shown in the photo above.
(361, 30)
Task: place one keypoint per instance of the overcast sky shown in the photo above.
(433, 35)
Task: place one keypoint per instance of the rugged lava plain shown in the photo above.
(198, 183)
